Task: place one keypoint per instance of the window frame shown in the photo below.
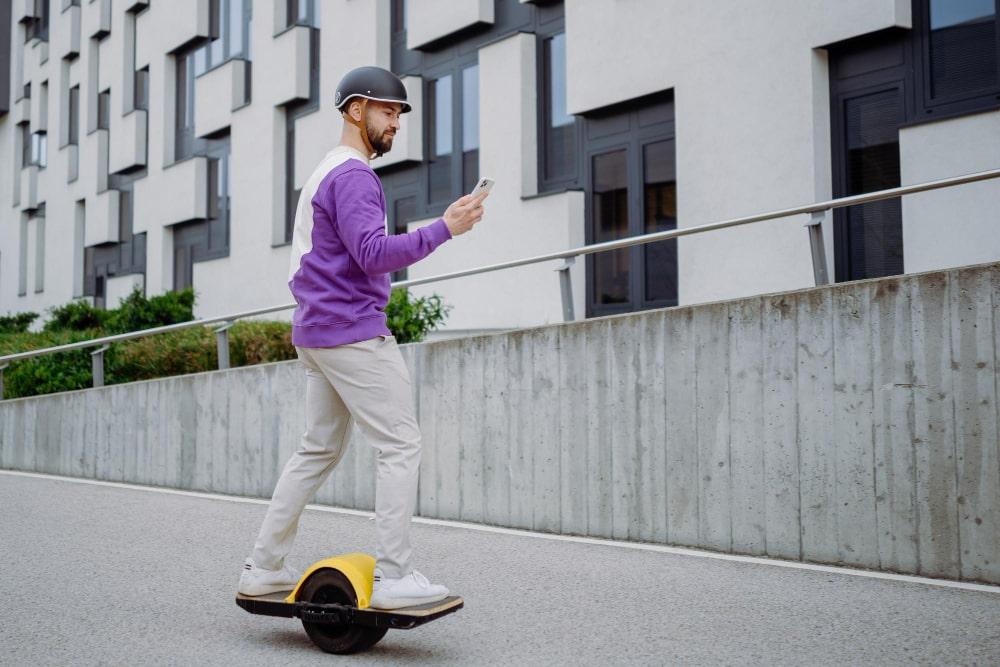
(73, 113)
(958, 105)
(455, 68)
(544, 114)
(633, 139)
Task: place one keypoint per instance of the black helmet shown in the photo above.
(373, 83)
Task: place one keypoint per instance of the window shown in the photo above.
(184, 109)
(25, 145)
(104, 110)
(558, 133)
(955, 47)
(142, 88)
(470, 127)
(38, 27)
(609, 196)
(452, 109)
(303, 12)
(38, 217)
(874, 231)
(659, 202)
(39, 149)
(22, 266)
(232, 20)
(961, 48)
(404, 210)
(631, 190)
(74, 115)
(439, 114)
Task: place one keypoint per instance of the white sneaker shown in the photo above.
(413, 589)
(258, 581)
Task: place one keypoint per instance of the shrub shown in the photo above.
(190, 350)
(16, 323)
(411, 319)
(76, 316)
(136, 312)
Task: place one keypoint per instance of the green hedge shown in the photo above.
(187, 351)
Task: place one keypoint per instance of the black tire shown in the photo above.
(331, 586)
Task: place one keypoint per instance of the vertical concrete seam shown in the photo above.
(692, 338)
(953, 312)
(729, 414)
(996, 374)
(911, 418)
(798, 436)
(831, 309)
(870, 290)
(763, 449)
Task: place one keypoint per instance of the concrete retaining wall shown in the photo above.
(855, 424)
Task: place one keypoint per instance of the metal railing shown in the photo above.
(817, 212)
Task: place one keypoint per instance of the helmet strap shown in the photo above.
(362, 125)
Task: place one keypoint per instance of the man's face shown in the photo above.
(383, 123)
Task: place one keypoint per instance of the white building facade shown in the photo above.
(163, 144)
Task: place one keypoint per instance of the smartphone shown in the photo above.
(484, 185)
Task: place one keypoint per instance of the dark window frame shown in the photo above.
(73, 113)
(547, 184)
(634, 136)
(104, 109)
(958, 105)
(140, 89)
(25, 131)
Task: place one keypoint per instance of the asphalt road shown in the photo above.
(106, 575)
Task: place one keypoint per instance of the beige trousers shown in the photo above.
(368, 383)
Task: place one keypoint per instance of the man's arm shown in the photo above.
(354, 196)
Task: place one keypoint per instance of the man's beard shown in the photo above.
(381, 142)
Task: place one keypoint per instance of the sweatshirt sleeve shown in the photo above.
(355, 198)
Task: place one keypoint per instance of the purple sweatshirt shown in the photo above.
(342, 255)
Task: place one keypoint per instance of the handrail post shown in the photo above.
(566, 286)
(1, 379)
(97, 365)
(815, 225)
(222, 345)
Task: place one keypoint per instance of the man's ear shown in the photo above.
(355, 106)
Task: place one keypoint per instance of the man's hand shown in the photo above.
(464, 213)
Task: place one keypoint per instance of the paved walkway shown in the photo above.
(101, 574)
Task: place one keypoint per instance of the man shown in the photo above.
(341, 258)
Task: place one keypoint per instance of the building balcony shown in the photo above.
(102, 218)
(157, 203)
(218, 93)
(67, 44)
(24, 10)
(129, 147)
(97, 19)
(288, 68)
(428, 21)
(29, 188)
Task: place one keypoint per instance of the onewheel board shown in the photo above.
(332, 599)
(405, 618)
